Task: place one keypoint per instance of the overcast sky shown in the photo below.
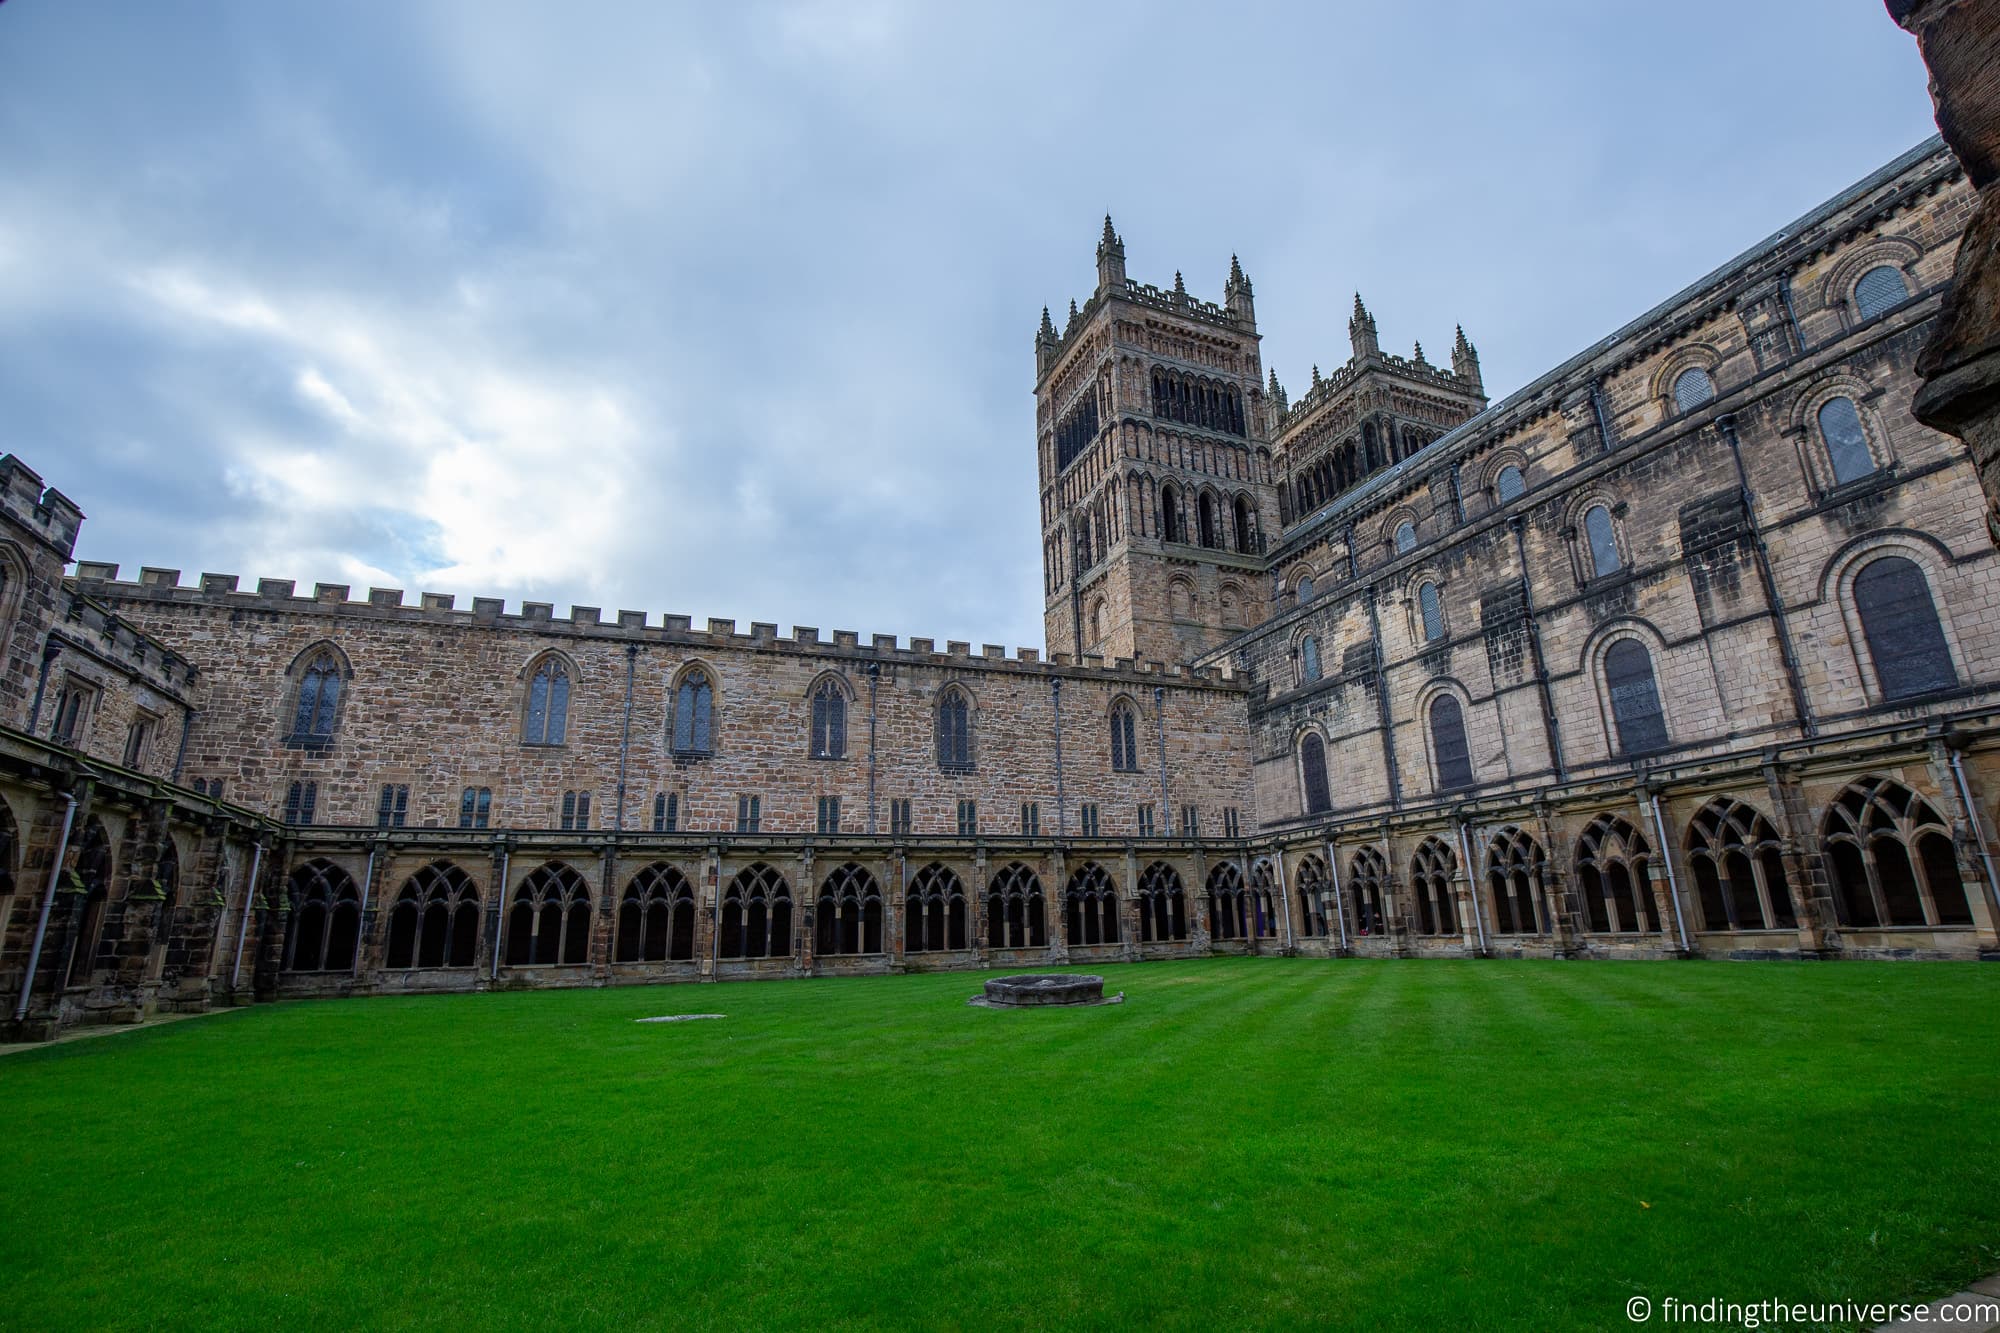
(727, 309)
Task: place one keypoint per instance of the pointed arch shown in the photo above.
(1017, 917)
(90, 873)
(1738, 864)
(1515, 871)
(848, 915)
(549, 923)
(1892, 858)
(934, 911)
(1314, 888)
(435, 920)
(1162, 904)
(319, 676)
(1613, 879)
(1431, 872)
(656, 917)
(324, 927)
(550, 679)
(1367, 880)
(956, 716)
(827, 699)
(756, 915)
(692, 725)
(1124, 720)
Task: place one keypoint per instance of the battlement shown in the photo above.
(100, 581)
(1178, 302)
(1333, 386)
(89, 623)
(42, 509)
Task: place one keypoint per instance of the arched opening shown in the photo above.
(1016, 916)
(1431, 871)
(1090, 906)
(656, 917)
(549, 923)
(848, 916)
(694, 714)
(1315, 794)
(1314, 888)
(1635, 700)
(1893, 859)
(1367, 877)
(547, 718)
(325, 922)
(1611, 870)
(92, 870)
(1515, 865)
(934, 915)
(1899, 620)
(756, 915)
(1162, 905)
(1738, 865)
(435, 920)
(1449, 745)
(1228, 909)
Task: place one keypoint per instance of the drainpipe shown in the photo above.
(48, 902)
(499, 913)
(1062, 808)
(1382, 701)
(1667, 859)
(49, 654)
(1543, 688)
(1472, 886)
(874, 680)
(367, 885)
(1972, 813)
(1779, 620)
(243, 926)
(625, 741)
(1284, 904)
(1166, 806)
(1339, 908)
(1603, 420)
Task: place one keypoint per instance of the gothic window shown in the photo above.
(325, 920)
(1510, 485)
(435, 922)
(1892, 859)
(1880, 290)
(1514, 869)
(1611, 877)
(1635, 699)
(1180, 600)
(1603, 542)
(1314, 888)
(1692, 388)
(1124, 737)
(1245, 538)
(1015, 917)
(1228, 905)
(1448, 744)
(1097, 621)
(829, 720)
(1900, 622)
(1430, 883)
(548, 704)
(954, 731)
(934, 911)
(1739, 869)
(1076, 430)
(1205, 514)
(550, 921)
(1090, 906)
(317, 707)
(1367, 877)
(1173, 524)
(1309, 659)
(848, 916)
(694, 714)
(1431, 608)
(1312, 771)
(656, 917)
(1162, 905)
(93, 875)
(1406, 537)
(1847, 451)
(756, 915)
(1263, 900)
(1305, 589)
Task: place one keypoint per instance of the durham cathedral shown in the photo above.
(1690, 647)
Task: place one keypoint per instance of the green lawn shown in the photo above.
(1244, 1142)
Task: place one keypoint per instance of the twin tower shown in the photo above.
(1172, 469)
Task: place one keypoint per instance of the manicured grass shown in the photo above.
(1244, 1142)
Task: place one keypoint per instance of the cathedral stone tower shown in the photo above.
(1155, 467)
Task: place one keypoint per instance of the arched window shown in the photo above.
(549, 924)
(1431, 608)
(1892, 859)
(1264, 897)
(656, 917)
(1162, 905)
(318, 705)
(1635, 700)
(1880, 290)
(1305, 589)
(325, 920)
(1366, 875)
(1090, 906)
(1173, 524)
(435, 922)
(848, 918)
(1611, 863)
(1604, 558)
(1015, 916)
(1739, 869)
(1097, 620)
(1847, 451)
(1205, 514)
(694, 714)
(1692, 388)
(829, 721)
(93, 874)
(934, 916)
(1124, 737)
(1228, 908)
(1510, 485)
(756, 915)
(954, 731)
(1309, 659)
(1430, 883)
(1245, 537)
(1406, 537)
(1900, 622)
(1514, 869)
(1312, 772)
(1314, 888)
(548, 704)
(1448, 744)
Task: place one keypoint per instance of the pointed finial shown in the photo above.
(1048, 330)
(1072, 307)
(1274, 380)
(1462, 345)
(1235, 271)
(1180, 288)
(1315, 374)
(1360, 310)
(1419, 357)
(1110, 237)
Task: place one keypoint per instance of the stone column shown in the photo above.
(1810, 885)
(805, 918)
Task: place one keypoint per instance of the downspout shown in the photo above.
(1543, 688)
(243, 926)
(1166, 806)
(1339, 907)
(1284, 903)
(367, 885)
(1603, 420)
(1972, 813)
(874, 680)
(1779, 620)
(48, 902)
(499, 913)
(49, 654)
(1382, 698)
(1667, 859)
(1472, 886)
(180, 754)
(1062, 808)
(1791, 316)
(625, 741)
